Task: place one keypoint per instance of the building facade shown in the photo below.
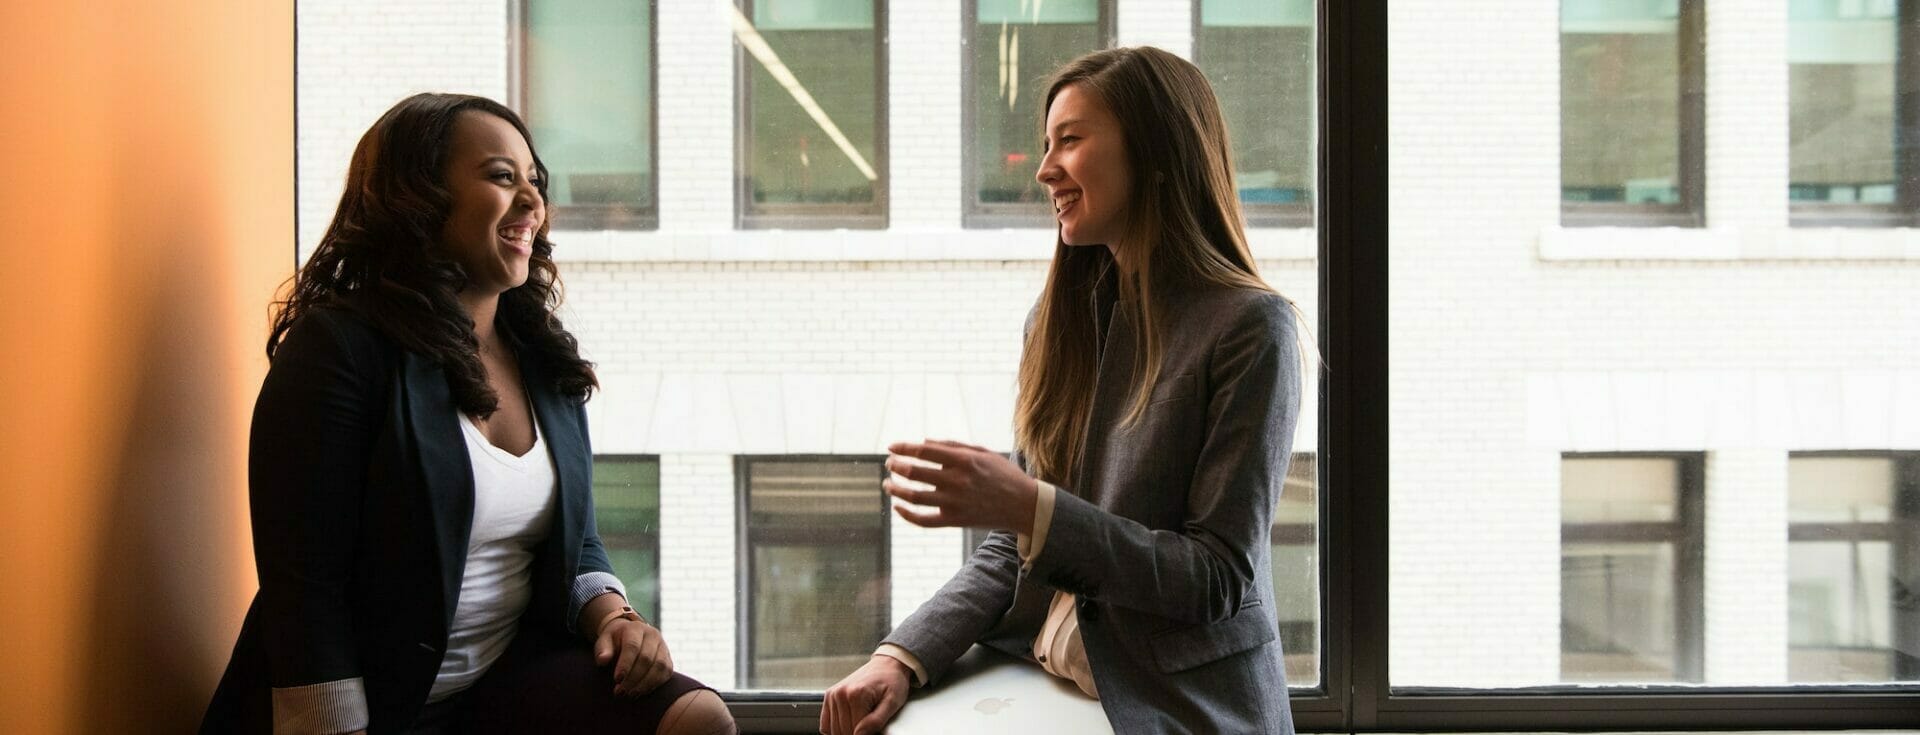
(1655, 381)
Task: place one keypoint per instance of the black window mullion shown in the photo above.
(1352, 214)
(1906, 111)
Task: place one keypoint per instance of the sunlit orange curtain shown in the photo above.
(146, 193)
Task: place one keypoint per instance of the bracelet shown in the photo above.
(625, 611)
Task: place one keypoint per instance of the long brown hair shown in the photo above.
(382, 258)
(1184, 229)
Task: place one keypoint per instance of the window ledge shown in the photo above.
(1728, 243)
(896, 244)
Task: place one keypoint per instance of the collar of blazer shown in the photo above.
(440, 452)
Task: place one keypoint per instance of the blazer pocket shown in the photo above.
(1173, 389)
(1196, 645)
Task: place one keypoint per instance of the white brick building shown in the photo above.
(1515, 340)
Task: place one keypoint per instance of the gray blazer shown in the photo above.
(1162, 533)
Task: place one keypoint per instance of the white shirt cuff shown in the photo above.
(588, 586)
(327, 708)
(906, 657)
(1030, 544)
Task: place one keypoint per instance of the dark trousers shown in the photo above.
(548, 683)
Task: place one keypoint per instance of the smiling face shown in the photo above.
(497, 208)
(1085, 168)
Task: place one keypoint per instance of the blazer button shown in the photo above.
(1089, 613)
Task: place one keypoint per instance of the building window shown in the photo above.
(1853, 567)
(1631, 537)
(1258, 54)
(815, 583)
(1631, 112)
(1296, 570)
(1851, 158)
(811, 134)
(1011, 47)
(626, 509)
(586, 86)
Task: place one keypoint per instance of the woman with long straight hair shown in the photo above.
(1159, 388)
(419, 472)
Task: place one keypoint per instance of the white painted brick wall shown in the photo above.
(1746, 567)
(355, 58)
(698, 518)
(1164, 23)
(713, 342)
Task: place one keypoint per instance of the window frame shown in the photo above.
(1902, 534)
(744, 584)
(1690, 211)
(817, 216)
(1688, 534)
(1355, 444)
(654, 616)
(1292, 215)
(1904, 210)
(643, 217)
(975, 214)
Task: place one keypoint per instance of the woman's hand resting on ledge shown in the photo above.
(865, 701)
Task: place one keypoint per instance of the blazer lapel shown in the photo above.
(446, 470)
(572, 476)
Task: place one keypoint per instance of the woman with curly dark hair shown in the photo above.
(419, 471)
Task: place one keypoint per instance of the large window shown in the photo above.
(1258, 54)
(1851, 156)
(815, 575)
(1853, 581)
(1011, 47)
(626, 507)
(586, 89)
(812, 132)
(1630, 552)
(1631, 112)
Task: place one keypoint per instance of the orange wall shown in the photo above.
(146, 186)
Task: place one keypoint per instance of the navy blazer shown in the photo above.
(361, 492)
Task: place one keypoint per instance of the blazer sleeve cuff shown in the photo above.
(588, 586)
(906, 657)
(326, 708)
(1032, 543)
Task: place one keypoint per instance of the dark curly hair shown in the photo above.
(382, 258)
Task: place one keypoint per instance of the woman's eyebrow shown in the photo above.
(1057, 127)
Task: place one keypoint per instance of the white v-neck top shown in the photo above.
(513, 503)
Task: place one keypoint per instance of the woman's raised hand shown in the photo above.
(968, 486)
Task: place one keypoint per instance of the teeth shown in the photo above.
(1063, 200)
(518, 235)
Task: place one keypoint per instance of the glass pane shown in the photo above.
(1013, 46)
(1259, 56)
(1840, 68)
(1845, 584)
(1617, 466)
(813, 104)
(589, 101)
(1620, 101)
(1620, 605)
(1618, 490)
(819, 579)
(1296, 570)
(626, 507)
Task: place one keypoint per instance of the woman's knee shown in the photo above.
(699, 712)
